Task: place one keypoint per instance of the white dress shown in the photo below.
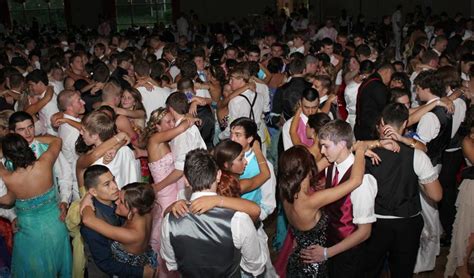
(463, 227)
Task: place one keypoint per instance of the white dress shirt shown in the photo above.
(124, 167)
(57, 85)
(244, 236)
(239, 107)
(174, 71)
(46, 112)
(363, 197)
(69, 135)
(428, 126)
(153, 99)
(262, 89)
(350, 95)
(185, 142)
(268, 190)
(458, 117)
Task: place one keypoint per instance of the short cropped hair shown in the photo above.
(310, 94)
(200, 169)
(101, 124)
(395, 114)
(92, 174)
(64, 98)
(297, 66)
(179, 102)
(141, 67)
(337, 131)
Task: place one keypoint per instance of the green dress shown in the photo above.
(41, 246)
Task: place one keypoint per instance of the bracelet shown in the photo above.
(376, 145)
(413, 144)
(325, 253)
(221, 202)
(262, 162)
(116, 138)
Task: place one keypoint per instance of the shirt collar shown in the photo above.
(249, 155)
(178, 122)
(323, 98)
(42, 95)
(72, 118)
(304, 118)
(432, 100)
(199, 194)
(344, 165)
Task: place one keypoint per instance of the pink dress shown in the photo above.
(160, 169)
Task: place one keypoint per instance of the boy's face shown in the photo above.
(26, 129)
(309, 107)
(89, 138)
(331, 150)
(36, 88)
(237, 134)
(106, 189)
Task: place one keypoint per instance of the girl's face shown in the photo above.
(354, 64)
(239, 164)
(405, 100)
(310, 133)
(121, 209)
(127, 101)
(57, 75)
(396, 83)
(167, 123)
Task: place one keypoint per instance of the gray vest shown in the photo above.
(203, 244)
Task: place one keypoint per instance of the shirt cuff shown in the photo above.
(429, 179)
(364, 220)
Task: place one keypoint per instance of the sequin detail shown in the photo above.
(147, 258)
(304, 239)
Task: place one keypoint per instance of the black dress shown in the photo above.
(304, 239)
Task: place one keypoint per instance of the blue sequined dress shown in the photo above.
(41, 246)
(123, 256)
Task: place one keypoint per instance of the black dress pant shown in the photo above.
(348, 264)
(451, 164)
(399, 239)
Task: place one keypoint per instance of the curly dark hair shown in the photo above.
(294, 166)
(429, 79)
(17, 150)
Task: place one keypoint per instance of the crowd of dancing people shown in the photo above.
(160, 152)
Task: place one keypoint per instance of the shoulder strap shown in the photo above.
(251, 114)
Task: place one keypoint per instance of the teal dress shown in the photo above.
(41, 246)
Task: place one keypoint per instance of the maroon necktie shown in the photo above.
(336, 177)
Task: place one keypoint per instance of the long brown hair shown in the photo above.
(294, 166)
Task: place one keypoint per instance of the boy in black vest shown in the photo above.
(397, 205)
